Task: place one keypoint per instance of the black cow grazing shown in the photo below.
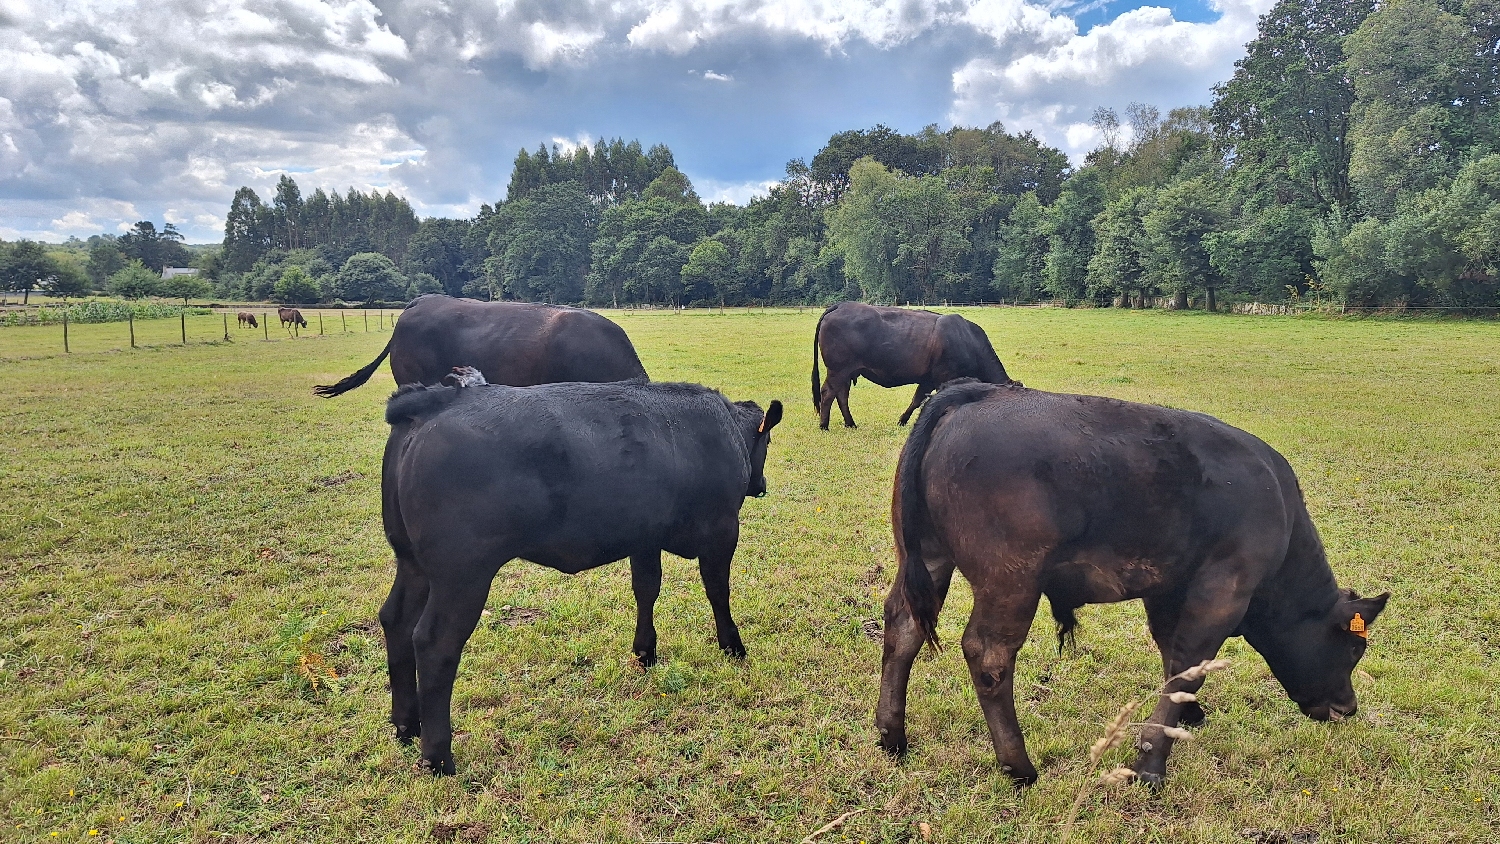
(570, 476)
(896, 346)
(510, 342)
(247, 320)
(1093, 500)
(291, 317)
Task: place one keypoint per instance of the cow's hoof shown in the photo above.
(735, 651)
(1151, 779)
(1020, 779)
(1192, 715)
(850, 425)
(438, 767)
(894, 745)
(645, 658)
(407, 735)
(822, 427)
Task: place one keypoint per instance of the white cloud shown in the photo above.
(739, 193)
(717, 77)
(1144, 54)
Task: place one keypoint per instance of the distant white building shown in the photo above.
(169, 272)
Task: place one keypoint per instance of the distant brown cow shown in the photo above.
(247, 320)
(291, 317)
(896, 346)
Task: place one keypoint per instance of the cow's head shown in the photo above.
(759, 441)
(1317, 655)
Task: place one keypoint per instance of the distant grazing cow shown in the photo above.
(247, 320)
(896, 346)
(1092, 500)
(510, 342)
(570, 476)
(291, 317)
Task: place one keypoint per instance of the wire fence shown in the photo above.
(214, 325)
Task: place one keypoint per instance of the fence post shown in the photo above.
(381, 316)
(130, 317)
(343, 323)
(366, 312)
(183, 314)
(226, 328)
(265, 326)
(320, 323)
(65, 329)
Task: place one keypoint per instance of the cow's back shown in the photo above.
(512, 343)
(1097, 479)
(889, 346)
(572, 475)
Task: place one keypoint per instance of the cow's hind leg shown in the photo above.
(833, 386)
(842, 394)
(645, 580)
(398, 618)
(995, 633)
(902, 643)
(453, 607)
(713, 567)
(916, 402)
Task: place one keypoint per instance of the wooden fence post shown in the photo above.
(366, 312)
(226, 328)
(65, 329)
(183, 314)
(265, 326)
(320, 323)
(130, 317)
(343, 323)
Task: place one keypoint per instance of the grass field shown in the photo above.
(183, 527)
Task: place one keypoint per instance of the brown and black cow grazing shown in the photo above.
(291, 317)
(570, 476)
(1092, 500)
(510, 342)
(896, 346)
(247, 320)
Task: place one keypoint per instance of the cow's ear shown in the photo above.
(773, 416)
(1358, 614)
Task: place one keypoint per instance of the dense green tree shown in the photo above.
(134, 281)
(642, 244)
(914, 155)
(1021, 253)
(105, 258)
(1182, 215)
(25, 266)
(709, 274)
(436, 248)
(297, 287)
(184, 287)
(370, 277)
(1070, 235)
(1286, 112)
(246, 231)
(155, 249)
(540, 246)
(1121, 265)
(69, 277)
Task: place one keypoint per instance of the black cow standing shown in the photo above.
(1092, 500)
(510, 342)
(896, 346)
(571, 476)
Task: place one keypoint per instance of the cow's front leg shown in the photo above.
(916, 402)
(645, 580)
(1161, 616)
(398, 618)
(713, 566)
(453, 608)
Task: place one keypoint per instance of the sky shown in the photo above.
(113, 111)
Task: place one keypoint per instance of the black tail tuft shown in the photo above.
(913, 578)
(817, 391)
(416, 401)
(359, 377)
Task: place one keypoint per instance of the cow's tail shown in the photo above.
(359, 377)
(413, 402)
(817, 378)
(912, 577)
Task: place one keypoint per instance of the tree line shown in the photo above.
(1353, 157)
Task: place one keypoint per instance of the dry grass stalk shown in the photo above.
(1119, 728)
(830, 826)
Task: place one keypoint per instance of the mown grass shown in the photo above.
(181, 524)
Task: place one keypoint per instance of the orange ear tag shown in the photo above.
(762, 428)
(1357, 627)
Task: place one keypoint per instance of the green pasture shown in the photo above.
(188, 539)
